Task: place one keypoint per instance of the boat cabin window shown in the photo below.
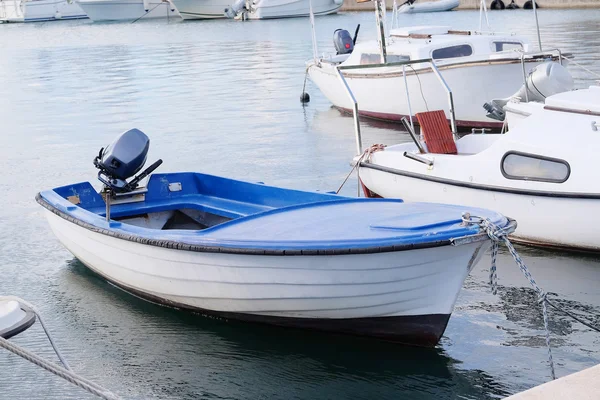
(462, 50)
(506, 46)
(531, 167)
(367, 59)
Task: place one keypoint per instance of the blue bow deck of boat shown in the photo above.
(376, 267)
(258, 218)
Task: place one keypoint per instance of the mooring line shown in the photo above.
(498, 235)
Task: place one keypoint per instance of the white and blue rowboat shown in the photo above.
(252, 252)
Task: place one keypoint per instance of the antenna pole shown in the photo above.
(537, 24)
(379, 17)
(483, 13)
(314, 35)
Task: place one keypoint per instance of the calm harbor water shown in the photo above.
(222, 97)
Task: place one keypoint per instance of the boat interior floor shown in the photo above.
(185, 219)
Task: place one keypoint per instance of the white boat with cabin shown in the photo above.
(481, 65)
(412, 7)
(128, 10)
(254, 9)
(39, 10)
(541, 172)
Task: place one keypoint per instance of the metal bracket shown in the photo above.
(418, 158)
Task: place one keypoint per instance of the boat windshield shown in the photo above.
(461, 50)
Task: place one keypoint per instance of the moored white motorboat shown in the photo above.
(127, 10)
(412, 7)
(541, 172)
(39, 10)
(252, 252)
(254, 9)
(479, 65)
(475, 63)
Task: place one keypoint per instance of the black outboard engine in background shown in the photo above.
(343, 41)
(122, 159)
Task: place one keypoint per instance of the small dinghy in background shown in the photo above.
(412, 7)
(372, 267)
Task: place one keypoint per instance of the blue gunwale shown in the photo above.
(248, 203)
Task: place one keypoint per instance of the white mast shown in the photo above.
(314, 35)
(482, 13)
(537, 24)
(380, 19)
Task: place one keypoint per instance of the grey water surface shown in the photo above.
(222, 97)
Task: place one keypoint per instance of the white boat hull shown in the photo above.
(39, 10)
(127, 10)
(383, 96)
(405, 296)
(431, 6)
(542, 220)
(262, 9)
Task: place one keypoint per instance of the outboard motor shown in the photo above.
(122, 159)
(544, 80)
(343, 41)
(235, 9)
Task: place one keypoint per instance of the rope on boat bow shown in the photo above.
(498, 235)
(366, 155)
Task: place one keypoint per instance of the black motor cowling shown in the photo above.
(343, 42)
(124, 158)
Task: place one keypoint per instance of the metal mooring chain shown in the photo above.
(500, 235)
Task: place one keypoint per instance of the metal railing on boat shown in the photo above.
(402, 64)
